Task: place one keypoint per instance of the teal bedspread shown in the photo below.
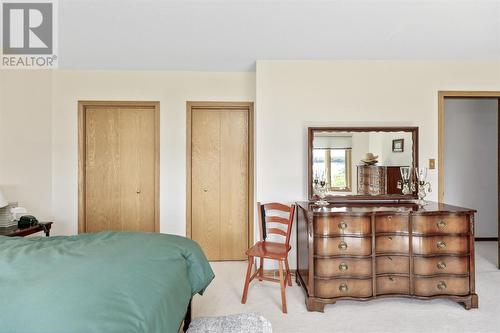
(106, 282)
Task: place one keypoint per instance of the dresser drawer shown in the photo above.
(446, 224)
(392, 244)
(440, 244)
(333, 246)
(441, 286)
(329, 288)
(393, 265)
(441, 265)
(342, 267)
(342, 225)
(393, 285)
(391, 223)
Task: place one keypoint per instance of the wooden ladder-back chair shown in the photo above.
(268, 224)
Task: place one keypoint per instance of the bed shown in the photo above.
(113, 282)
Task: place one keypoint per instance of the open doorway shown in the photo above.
(468, 157)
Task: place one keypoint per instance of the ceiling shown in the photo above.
(230, 35)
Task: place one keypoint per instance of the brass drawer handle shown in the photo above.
(343, 287)
(389, 217)
(390, 237)
(342, 245)
(441, 224)
(342, 225)
(441, 245)
(441, 265)
(391, 278)
(343, 267)
(441, 285)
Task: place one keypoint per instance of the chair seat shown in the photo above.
(270, 250)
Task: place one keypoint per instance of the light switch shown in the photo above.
(432, 163)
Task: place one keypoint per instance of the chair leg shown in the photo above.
(288, 274)
(282, 284)
(247, 280)
(261, 274)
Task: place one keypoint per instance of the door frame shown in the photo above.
(82, 131)
(249, 106)
(442, 95)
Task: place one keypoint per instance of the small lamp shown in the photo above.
(3, 201)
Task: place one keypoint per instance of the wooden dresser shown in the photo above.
(378, 180)
(366, 251)
(372, 180)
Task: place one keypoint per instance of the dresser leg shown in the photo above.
(472, 302)
(297, 280)
(475, 301)
(313, 305)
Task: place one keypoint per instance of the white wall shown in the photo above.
(172, 89)
(471, 159)
(381, 145)
(360, 146)
(38, 132)
(292, 95)
(25, 140)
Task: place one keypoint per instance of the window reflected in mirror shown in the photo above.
(337, 172)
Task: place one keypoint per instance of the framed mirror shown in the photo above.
(361, 163)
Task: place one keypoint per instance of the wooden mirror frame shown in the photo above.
(360, 197)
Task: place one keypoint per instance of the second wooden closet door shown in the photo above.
(219, 182)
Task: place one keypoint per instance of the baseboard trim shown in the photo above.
(486, 239)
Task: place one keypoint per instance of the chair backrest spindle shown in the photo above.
(266, 217)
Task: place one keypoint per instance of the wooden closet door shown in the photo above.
(234, 184)
(205, 175)
(119, 169)
(137, 169)
(219, 182)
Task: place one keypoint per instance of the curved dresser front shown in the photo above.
(365, 251)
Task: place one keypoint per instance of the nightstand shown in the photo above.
(15, 231)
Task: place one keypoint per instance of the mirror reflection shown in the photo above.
(360, 163)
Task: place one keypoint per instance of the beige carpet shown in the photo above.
(384, 315)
